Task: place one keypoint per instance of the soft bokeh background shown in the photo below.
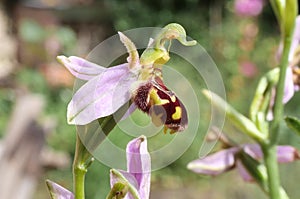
(242, 42)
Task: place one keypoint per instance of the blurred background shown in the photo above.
(37, 144)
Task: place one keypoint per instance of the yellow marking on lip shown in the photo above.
(177, 114)
(156, 99)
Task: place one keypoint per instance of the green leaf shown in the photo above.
(278, 8)
(293, 123)
(31, 31)
(237, 119)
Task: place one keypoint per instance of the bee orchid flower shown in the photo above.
(138, 173)
(140, 79)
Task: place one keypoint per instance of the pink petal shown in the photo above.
(130, 110)
(101, 96)
(296, 39)
(139, 164)
(215, 163)
(58, 192)
(286, 154)
(80, 67)
(243, 172)
(253, 150)
(289, 89)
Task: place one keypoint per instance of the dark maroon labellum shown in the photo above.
(162, 105)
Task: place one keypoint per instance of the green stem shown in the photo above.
(270, 153)
(82, 160)
(270, 159)
(79, 176)
(278, 106)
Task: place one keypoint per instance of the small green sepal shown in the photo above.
(118, 191)
(157, 53)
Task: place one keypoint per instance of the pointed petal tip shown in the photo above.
(113, 171)
(61, 59)
(121, 34)
(70, 117)
(176, 31)
(136, 145)
(80, 67)
(188, 43)
(133, 58)
(206, 93)
(143, 138)
(194, 165)
(48, 182)
(71, 122)
(124, 39)
(190, 166)
(57, 191)
(151, 40)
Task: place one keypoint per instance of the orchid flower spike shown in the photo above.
(292, 78)
(138, 173)
(140, 79)
(227, 159)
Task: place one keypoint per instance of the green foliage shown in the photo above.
(33, 80)
(6, 103)
(31, 31)
(293, 123)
